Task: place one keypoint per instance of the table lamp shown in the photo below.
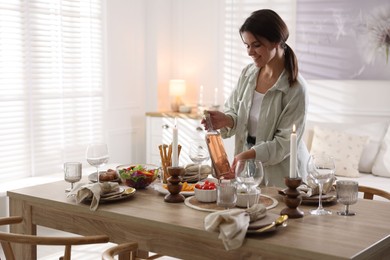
(177, 89)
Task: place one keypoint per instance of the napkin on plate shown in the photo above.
(93, 191)
(232, 224)
(311, 188)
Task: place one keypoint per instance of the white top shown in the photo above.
(254, 112)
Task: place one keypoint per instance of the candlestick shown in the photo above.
(293, 154)
(175, 145)
(292, 198)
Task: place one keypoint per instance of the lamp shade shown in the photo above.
(177, 87)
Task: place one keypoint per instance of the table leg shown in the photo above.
(20, 208)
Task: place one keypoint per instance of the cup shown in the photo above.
(226, 194)
(347, 194)
(72, 173)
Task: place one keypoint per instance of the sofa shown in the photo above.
(351, 120)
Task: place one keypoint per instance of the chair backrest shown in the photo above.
(369, 192)
(126, 251)
(7, 239)
(129, 248)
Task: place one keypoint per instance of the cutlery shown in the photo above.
(281, 220)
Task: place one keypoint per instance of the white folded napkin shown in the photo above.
(92, 191)
(232, 224)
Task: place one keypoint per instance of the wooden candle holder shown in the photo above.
(292, 198)
(174, 186)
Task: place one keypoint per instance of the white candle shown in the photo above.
(200, 101)
(293, 154)
(175, 158)
(216, 97)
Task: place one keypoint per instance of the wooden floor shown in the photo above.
(85, 252)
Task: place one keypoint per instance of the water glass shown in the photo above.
(347, 194)
(226, 194)
(72, 173)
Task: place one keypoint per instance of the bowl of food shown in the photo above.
(245, 199)
(138, 176)
(205, 192)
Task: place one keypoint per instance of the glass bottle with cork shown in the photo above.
(217, 151)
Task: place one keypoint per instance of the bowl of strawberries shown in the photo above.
(206, 191)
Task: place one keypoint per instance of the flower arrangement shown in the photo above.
(375, 37)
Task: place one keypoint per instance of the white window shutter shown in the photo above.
(51, 102)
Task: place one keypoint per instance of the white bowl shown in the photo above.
(205, 195)
(242, 198)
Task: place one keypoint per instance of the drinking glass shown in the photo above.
(72, 173)
(198, 154)
(347, 194)
(97, 155)
(249, 174)
(226, 194)
(321, 169)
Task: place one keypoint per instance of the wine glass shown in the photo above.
(198, 154)
(249, 173)
(347, 194)
(72, 173)
(97, 155)
(321, 169)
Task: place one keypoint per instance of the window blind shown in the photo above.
(51, 102)
(235, 55)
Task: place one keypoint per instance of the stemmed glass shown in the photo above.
(347, 194)
(97, 155)
(72, 173)
(249, 174)
(321, 169)
(198, 154)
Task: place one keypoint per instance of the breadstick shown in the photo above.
(170, 154)
(165, 154)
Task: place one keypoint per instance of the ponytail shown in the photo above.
(291, 64)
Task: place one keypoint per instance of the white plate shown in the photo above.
(93, 177)
(159, 187)
(267, 220)
(112, 193)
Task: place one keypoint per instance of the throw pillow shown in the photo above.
(375, 131)
(382, 162)
(345, 148)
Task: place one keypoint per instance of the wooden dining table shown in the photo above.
(174, 229)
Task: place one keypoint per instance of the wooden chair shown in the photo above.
(7, 239)
(127, 251)
(368, 192)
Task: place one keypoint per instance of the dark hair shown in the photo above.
(268, 24)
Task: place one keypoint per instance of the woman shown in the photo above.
(268, 100)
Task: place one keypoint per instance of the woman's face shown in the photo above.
(259, 49)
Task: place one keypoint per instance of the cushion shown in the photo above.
(345, 148)
(375, 131)
(382, 162)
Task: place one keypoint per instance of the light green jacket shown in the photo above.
(282, 106)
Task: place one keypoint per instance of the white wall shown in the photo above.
(147, 44)
(150, 42)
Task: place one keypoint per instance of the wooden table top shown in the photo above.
(177, 230)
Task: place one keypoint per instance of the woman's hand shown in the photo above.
(250, 154)
(218, 120)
